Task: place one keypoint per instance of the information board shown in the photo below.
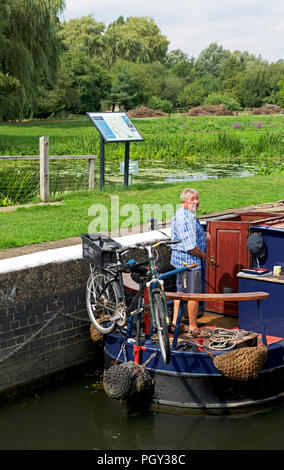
(115, 127)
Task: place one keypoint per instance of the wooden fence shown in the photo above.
(44, 158)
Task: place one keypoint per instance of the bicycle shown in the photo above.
(105, 297)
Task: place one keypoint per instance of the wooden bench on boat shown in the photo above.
(132, 286)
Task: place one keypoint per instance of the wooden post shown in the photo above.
(44, 168)
(91, 173)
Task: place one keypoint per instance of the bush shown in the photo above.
(162, 105)
(229, 101)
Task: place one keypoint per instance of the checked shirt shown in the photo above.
(186, 228)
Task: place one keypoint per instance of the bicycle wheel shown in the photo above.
(102, 300)
(162, 327)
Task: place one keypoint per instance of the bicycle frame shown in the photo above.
(154, 284)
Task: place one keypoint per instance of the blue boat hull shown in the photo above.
(191, 382)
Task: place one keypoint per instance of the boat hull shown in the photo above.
(191, 383)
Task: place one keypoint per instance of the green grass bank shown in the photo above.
(36, 224)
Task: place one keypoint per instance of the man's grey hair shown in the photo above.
(184, 194)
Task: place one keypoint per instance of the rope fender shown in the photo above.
(123, 380)
(242, 364)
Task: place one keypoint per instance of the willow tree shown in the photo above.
(29, 49)
(82, 34)
(137, 39)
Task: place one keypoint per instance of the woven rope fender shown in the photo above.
(242, 364)
(95, 334)
(121, 381)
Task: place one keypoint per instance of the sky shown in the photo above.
(256, 26)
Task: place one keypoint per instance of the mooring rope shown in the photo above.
(222, 339)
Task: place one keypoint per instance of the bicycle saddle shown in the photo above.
(111, 246)
(139, 274)
(104, 242)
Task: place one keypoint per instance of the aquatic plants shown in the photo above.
(271, 170)
(18, 184)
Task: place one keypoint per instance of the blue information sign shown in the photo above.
(115, 127)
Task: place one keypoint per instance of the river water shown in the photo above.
(77, 415)
(160, 172)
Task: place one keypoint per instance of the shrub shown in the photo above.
(162, 105)
(222, 98)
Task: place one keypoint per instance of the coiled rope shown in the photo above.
(222, 339)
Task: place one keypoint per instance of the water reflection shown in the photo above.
(71, 416)
(209, 171)
(206, 176)
(157, 172)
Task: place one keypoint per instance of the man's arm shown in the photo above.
(197, 252)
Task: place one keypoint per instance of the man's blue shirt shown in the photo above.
(186, 228)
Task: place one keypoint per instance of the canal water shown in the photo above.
(77, 415)
(161, 172)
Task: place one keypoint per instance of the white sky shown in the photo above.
(256, 26)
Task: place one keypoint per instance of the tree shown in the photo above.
(137, 39)
(172, 87)
(123, 91)
(186, 70)
(254, 86)
(82, 85)
(83, 34)
(29, 49)
(232, 69)
(174, 57)
(8, 89)
(211, 60)
(194, 93)
(280, 94)
(149, 80)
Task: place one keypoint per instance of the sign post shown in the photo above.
(126, 163)
(102, 162)
(114, 127)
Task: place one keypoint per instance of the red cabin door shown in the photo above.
(226, 255)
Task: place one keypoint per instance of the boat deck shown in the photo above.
(209, 321)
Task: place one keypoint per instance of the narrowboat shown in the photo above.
(236, 364)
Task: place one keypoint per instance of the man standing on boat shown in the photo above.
(191, 250)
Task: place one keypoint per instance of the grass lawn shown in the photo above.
(27, 226)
